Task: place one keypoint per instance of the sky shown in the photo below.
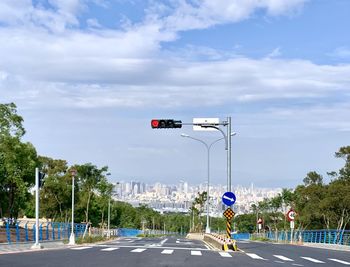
(88, 76)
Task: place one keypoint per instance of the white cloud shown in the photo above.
(202, 14)
(275, 53)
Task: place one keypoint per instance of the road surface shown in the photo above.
(172, 251)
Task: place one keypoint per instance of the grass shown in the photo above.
(264, 239)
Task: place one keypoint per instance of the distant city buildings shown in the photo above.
(179, 197)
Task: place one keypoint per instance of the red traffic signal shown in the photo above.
(162, 123)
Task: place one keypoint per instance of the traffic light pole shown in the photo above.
(229, 154)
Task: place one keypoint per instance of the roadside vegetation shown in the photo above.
(318, 205)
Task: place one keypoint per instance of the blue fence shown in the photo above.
(241, 236)
(128, 232)
(310, 236)
(23, 232)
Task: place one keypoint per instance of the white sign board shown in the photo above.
(205, 121)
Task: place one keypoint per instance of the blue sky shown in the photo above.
(89, 75)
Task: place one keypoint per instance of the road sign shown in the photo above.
(229, 214)
(291, 215)
(228, 198)
(205, 121)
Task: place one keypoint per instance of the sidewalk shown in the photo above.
(327, 246)
(22, 247)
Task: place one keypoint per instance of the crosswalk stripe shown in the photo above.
(225, 254)
(167, 251)
(283, 258)
(312, 259)
(254, 256)
(340, 261)
(80, 248)
(196, 253)
(109, 249)
(138, 250)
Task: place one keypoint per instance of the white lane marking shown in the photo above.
(206, 246)
(225, 254)
(196, 253)
(340, 261)
(254, 256)
(80, 248)
(296, 264)
(168, 251)
(283, 258)
(109, 249)
(242, 242)
(163, 241)
(138, 250)
(312, 259)
(279, 261)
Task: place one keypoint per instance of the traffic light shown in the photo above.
(41, 179)
(162, 123)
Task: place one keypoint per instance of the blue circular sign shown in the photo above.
(228, 198)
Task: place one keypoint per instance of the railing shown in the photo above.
(308, 236)
(25, 232)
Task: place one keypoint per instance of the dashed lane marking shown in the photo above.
(225, 254)
(312, 259)
(109, 249)
(283, 258)
(138, 250)
(340, 261)
(168, 251)
(80, 248)
(254, 256)
(196, 253)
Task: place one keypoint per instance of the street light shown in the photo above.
(109, 212)
(73, 172)
(207, 229)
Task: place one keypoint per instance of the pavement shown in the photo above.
(27, 247)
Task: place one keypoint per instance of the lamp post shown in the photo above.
(207, 229)
(73, 172)
(109, 211)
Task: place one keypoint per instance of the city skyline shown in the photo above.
(179, 197)
(88, 76)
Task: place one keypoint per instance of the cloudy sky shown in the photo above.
(89, 75)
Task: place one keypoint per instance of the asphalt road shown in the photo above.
(172, 251)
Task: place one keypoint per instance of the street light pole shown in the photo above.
(109, 218)
(208, 147)
(73, 172)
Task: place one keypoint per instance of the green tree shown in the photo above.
(17, 162)
(55, 195)
(313, 178)
(89, 177)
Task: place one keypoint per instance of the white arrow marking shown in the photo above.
(226, 197)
